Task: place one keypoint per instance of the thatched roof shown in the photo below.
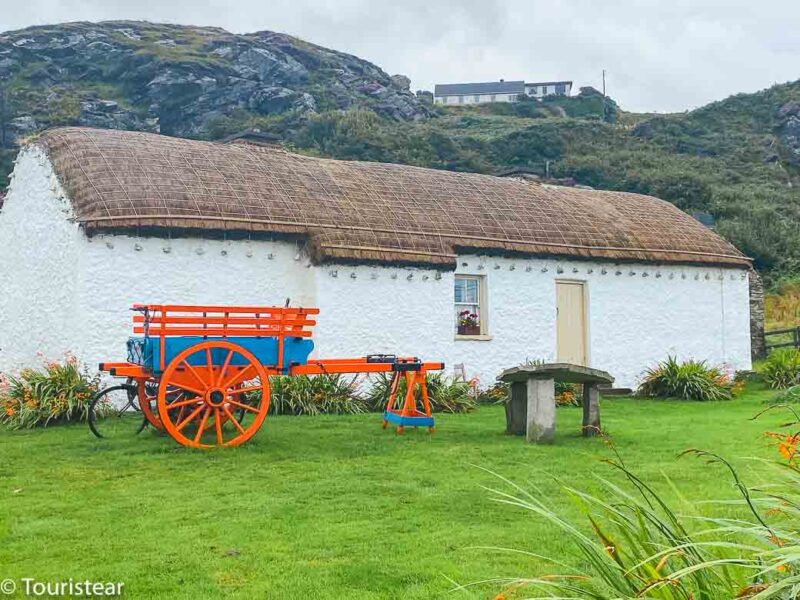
(361, 210)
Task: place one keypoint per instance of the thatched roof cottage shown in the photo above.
(96, 220)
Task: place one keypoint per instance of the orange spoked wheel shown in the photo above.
(224, 395)
(147, 393)
(147, 398)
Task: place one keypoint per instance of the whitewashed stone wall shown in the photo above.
(638, 314)
(63, 291)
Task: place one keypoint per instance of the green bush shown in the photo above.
(689, 380)
(782, 368)
(446, 395)
(60, 393)
(314, 395)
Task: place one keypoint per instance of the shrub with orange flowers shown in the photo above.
(59, 392)
(568, 394)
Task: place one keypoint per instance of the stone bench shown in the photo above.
(531, 403)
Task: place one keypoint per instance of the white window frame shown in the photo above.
(483, 311)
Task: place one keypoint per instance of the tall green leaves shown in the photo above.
(322, 394)
(688, 380)
(782, 368)
(635, 544)
(445, 394)
(347, 394)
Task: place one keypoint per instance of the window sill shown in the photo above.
(473, 338)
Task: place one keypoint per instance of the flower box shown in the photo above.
(469, 330)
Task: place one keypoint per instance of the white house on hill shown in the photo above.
(95, 221)
(497, 91)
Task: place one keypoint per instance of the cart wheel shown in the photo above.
(215, 379)
(147, 393)
(114, 413)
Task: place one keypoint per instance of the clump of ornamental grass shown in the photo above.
(316, 394)
(636, 544)
(781, 369)
(59, 392)
(445, 394)
(688, 380)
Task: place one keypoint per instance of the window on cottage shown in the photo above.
(532, 90)
(469, 305)
(561, 88)
(461, 99)
(476, 98)
(493, 98)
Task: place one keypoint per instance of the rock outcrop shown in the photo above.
(178, 80)
(788, 130)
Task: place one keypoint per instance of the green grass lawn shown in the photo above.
(335, 507)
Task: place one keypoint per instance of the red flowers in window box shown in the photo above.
(468, 323)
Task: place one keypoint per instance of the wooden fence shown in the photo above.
(789, 336)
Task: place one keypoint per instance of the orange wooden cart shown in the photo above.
(201, 373)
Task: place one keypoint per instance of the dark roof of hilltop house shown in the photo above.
(361, 211)
(528, 83)
(488, 87)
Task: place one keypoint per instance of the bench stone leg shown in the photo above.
(591, 410)
(541, 428)
(517, 408)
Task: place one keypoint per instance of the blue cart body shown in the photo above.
(146, 351)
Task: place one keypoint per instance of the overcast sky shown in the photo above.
(660, 55)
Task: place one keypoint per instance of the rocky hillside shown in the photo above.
(181, 81)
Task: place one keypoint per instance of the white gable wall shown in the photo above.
(39, 267)
(63, 291)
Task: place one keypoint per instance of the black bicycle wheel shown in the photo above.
(115, 413)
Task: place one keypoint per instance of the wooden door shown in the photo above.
(571, 322)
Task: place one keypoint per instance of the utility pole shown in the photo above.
(604, 115)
